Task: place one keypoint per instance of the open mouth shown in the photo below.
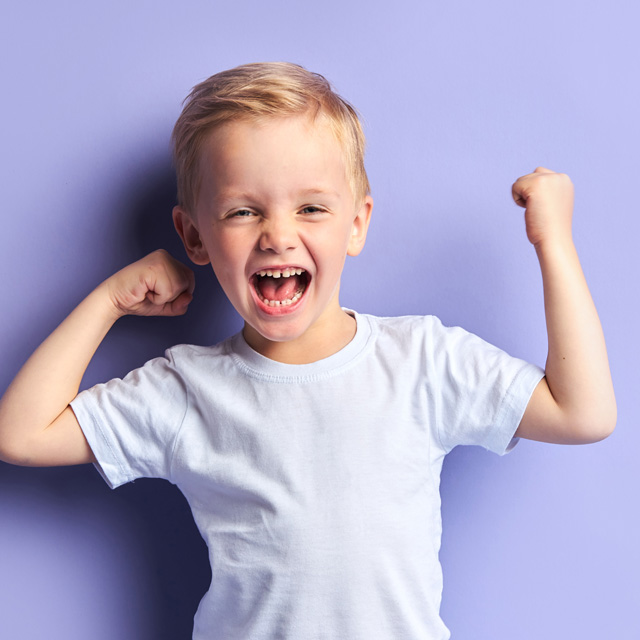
(280, 287)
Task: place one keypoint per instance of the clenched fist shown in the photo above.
(547, 198)
(156, 285)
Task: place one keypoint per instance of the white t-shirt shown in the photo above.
(316, 486)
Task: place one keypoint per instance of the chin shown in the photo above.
(274, 333)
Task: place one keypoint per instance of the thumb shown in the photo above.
(518, 192)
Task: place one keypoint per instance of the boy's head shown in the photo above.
(255, 92)
(273, 194)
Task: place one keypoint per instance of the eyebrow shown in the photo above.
(318, 191)
(247, 196)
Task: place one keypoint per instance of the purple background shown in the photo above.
(458, 99)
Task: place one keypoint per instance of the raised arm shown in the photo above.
(575, 402)
(37, 426)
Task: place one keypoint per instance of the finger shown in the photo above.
(184, 286)
(178, 306)
(181, 276)
(165, 306)
(518, 191)
(188, 278)
(165, 292)
(168, 280)
(542, 170)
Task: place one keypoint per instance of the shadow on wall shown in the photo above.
(148, 226)
(128, 564)
(148, 520)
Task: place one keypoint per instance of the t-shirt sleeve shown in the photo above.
(483, 391)
(131, 424)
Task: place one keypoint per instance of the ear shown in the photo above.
(360, 227)
(190, 236)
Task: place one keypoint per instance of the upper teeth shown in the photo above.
(276, 273)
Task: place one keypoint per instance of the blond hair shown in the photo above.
(262, 90)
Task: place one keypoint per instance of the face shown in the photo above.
(276, 219)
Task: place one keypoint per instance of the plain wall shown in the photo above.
(458, 100)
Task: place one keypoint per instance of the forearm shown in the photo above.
(577, 368)
(51, 377)
(37, 427)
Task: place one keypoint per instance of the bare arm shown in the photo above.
(575, 402)
(37, 426)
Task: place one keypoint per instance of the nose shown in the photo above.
(278, 234)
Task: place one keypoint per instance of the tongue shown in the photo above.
(278, 288)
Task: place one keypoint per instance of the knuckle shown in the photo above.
(158, 257)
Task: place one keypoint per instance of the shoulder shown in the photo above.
(190, 352)
(413, 329)
(427, 337)
(163, 377)
(411, 340)
(401, 324)
(185, 357)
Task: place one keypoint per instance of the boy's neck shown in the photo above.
(318, 342)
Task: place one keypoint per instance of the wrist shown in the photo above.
(556, 247)
(105, 305)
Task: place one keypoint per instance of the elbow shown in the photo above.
(597, 434)
(8, 456)
(608, 420)
(596, 426)
(14, 452)
(608, 425)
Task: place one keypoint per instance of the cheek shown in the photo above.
(333, 251)
(340, 244)
(230, 254)
(222, 259)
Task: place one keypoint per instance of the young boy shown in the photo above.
(309, 446)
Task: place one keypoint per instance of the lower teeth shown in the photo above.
(282, 303)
